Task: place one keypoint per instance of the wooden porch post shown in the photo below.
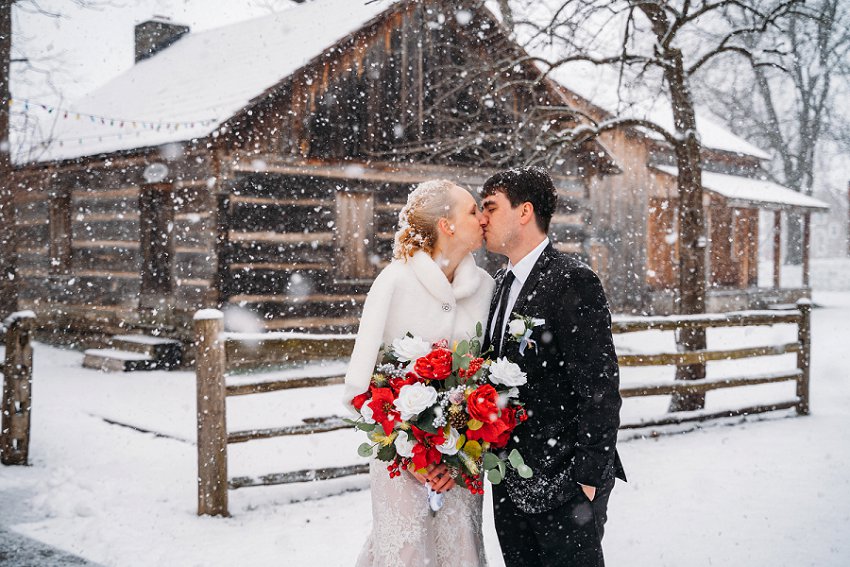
(17, 390)
(777, 247)
(807, 246)
(212, 423)
(804, 337)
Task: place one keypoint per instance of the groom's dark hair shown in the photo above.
(526, 184)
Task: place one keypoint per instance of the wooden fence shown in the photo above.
(17, 389)
(218, 352)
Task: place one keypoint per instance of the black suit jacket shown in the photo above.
(572, 396)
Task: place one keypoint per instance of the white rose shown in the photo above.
(367, 413)
(504, 397)
(414, 399)
(408, 349)
(516, 328)
(505, 372)
(449, 447)
(404, 445)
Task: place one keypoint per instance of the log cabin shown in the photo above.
(260, 167)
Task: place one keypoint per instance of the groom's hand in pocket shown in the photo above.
(589, 491)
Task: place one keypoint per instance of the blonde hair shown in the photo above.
(418, 219)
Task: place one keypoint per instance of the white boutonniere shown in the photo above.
(520, 329)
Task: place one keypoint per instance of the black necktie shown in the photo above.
(503, 307)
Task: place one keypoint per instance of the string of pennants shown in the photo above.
(109, 121)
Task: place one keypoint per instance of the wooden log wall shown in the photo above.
(282, 257)
(80, 248)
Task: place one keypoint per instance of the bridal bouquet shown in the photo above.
(429, 403)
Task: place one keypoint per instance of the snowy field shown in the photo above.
(773, 491)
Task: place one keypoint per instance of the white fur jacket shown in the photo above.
(415, 296)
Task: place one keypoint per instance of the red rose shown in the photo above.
(358, 401)
(481, 404)
(383, 410)
(436, 365)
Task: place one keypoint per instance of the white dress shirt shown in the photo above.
(521, 272)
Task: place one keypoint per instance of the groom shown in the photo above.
(557, 517)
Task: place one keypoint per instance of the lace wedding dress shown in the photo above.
(405, 533)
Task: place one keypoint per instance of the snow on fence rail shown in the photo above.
(219, 352)
(17, 389)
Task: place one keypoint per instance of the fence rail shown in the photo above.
(17, 389)
(219, 352)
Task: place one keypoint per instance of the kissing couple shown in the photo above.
(433, 289)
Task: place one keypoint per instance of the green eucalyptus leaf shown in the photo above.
(494, 476)
(479, 329)
(525, 471)
(368, 427)
(502, 468)
(491, 461)
(462, 348)
(364, 450)
(516, 459)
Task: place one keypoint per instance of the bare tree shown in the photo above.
(794, 107)
(8, 255)
(665, 42)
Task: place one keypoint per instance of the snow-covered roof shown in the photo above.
(599, 86)
(748, 192)
(205, 78)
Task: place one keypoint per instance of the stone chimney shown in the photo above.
(155, 35)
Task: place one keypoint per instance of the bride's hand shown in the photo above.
(420, 477)
(440, 478)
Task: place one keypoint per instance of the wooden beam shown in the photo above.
(308, 475)
(280, 237)
(807, 246)
(323, 425)
(777, 248)
(283, 384)
(271, 351)
(702, 386)
(686, 417)
(804, 336)
(16, 405)
(212, 423)
(702, 356)
(671, 323)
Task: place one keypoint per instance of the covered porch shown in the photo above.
(744, 219)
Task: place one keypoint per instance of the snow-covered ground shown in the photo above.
(773, 491)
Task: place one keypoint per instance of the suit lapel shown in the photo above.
(533, 278)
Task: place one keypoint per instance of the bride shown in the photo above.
(434, 290)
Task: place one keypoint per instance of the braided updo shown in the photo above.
(417, 221)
